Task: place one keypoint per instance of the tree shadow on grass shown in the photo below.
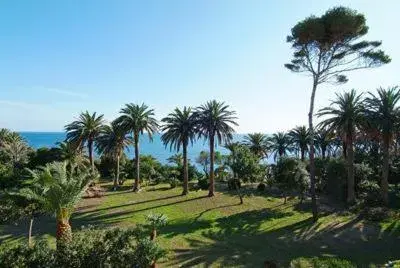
(97, 217)
(134, 203)
(238, 240)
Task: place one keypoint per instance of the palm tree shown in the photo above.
(58, 190)
(215, 120)
(111, 143)
(137, 119)
(85, 130)
(325, 142)
(73, 157)
(176, 159)
(180, 130)
(384, 115)
(15, 150)
(257, 143)
(300, 138)
(6, 136)
(346, 115)
(279, 144)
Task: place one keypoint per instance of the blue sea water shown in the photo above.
(155, 148)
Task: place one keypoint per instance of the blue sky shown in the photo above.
(58, 58)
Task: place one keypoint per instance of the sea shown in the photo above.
(156, 148)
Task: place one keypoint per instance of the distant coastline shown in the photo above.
(156, 148)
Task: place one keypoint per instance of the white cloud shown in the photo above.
(67, 93)
(20, 104)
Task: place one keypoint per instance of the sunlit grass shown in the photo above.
(219, 231)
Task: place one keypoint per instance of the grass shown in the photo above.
(220, 232)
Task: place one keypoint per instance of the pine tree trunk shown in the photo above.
(385, 170)
(311, 154)
(30, 232)
(185, 171)
(212, 156)
(350, 170)
(136, 186)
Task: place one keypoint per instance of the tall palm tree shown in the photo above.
(58, 190)
(180, 130)
(112, 142)
(325, 142)
(215, 121)
(257, 143)
(85, 130)
(384, 114)
(137, 119)
(300, 138)
(346, 114)
(279, 144)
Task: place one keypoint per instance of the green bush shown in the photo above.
(173, 182)
(20, 255)
(203, 183)
(336, 178)
(234, 184)
(261, 187)
(376, 213)
(370, 194)
(321, 262)
(89, 248)
(291, 174)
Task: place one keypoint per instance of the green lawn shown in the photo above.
(219, 232)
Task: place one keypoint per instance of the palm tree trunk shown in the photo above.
(90, 148)
(344, 149)
(136, 186)
(116, 179)
(30, 232)
(212, 156)
(185, 171)
(311, 154)
(350, 170)
(385, 170)
(323, 152)
(64, 232)
(302, 155)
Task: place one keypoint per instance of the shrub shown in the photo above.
(323, 262)
(21, 255)
(173, 182)
(336, 178)
(320, 173)
(370, 193)
(234, 184)
(203, 184)
(291, 174)
(261, 187)
(89, 248)
(375, 213)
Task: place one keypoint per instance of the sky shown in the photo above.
(59, 58)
